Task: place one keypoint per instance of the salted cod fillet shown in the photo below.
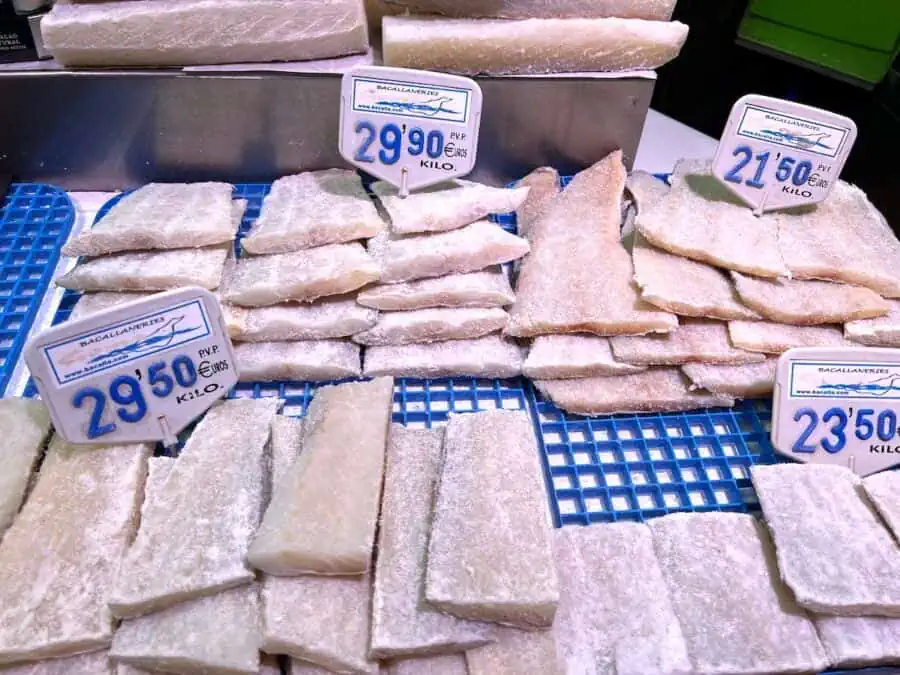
(312, 209)
(148, 271)
(561, 288)
(701, 220)
(808, 302)
(94, 663)
(736, 617)
(769, 337)
(25, 425)
(445, 206)
(529, 46)
(433, 325)
(883, 490)
(607, 622)
(488, 288)
(859, 641)
(467, 249)
(332, 317)
(302, 276)
(702, 340)
(517, 651)
(163, 216)
(490, 356)
(91, 303)
(59, 558)
(544, 186)
(655, 390)
(492, 561)
(881, 332)
(658, 10)
(552, 357)
(191, 32)
(298, 361)
(741, 381)
(815, 512)
(402, 626)
(447, 664)
(321, 521)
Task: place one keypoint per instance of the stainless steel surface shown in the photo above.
(111, 130)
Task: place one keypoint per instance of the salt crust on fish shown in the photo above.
(544, 186)
(487, 288)
(808, 302)
(321, 521)
(197, 546)
(94, 663)
(659, 10)
(302, 276)
(148, 271)
(489, 356)
(59, 558)
(321, 320)
(553, 357)
(770, 337)
(433, 325)
(467, 249)
(529, 46)
(445, 206)
(447, 664)
(654, 390)
(163, 216)
(517, 651)
(859, 641)
(736, 617)
(492, 561)
(741, 380)
(24, 425)
(312, 209)
(91, 303)
(816, 513)
(299, 361)
(403, 626)
(610, 620)
(561, 287)
(881, 332)
(694, 340)
(883, 490)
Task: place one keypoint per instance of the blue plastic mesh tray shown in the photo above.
(35, 221)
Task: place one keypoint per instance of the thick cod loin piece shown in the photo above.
(741, 381)
(517, 651)
(883, 490)
(881, 332)
(489, 356)
(859, 642)
(553, 357)
(433, 325)
(488, 288)
(305, 361)
(25, 425)
(94, 663)
(701, 340)
(769, 337)
(328, 318)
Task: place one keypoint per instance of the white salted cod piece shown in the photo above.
(402, 626)
(701, 220)
(608, 622)
(447, 664)
(433, 325)
(808, 302)
(735, 614)
(321, 320)
(746, 380)
(544, 186)
(776, 338)
(815, 513)
(492, 561)
(701, 340)
(164, 216)
(560, 288)
(881, 332)
(654, 390)
(445, 206)
(24, 426)
(883, 490)
(529, 46)
(518, 651)
(197, 546)
(302, 276)
(300, 613)
(59, 558)
(91, 303)
(658, 10)
(94, 663)
(467, 249)
(312, 209)
(488, 288)
(321, 521)
(489, 356)
(562, 357)
(149, 271)
(859, 641)
(193, 32)
(303, 361)
(215, 634)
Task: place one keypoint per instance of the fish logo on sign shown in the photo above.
(428, 108)
(804, 141)
(877, 388)
(160, 338)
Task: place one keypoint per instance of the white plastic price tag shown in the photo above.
(838, 406)
(777, 154)
(140, 371)
(411, 128)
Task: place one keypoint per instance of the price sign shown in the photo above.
(411, 128)
(777, 154)
(839, 406)
(140, 371)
